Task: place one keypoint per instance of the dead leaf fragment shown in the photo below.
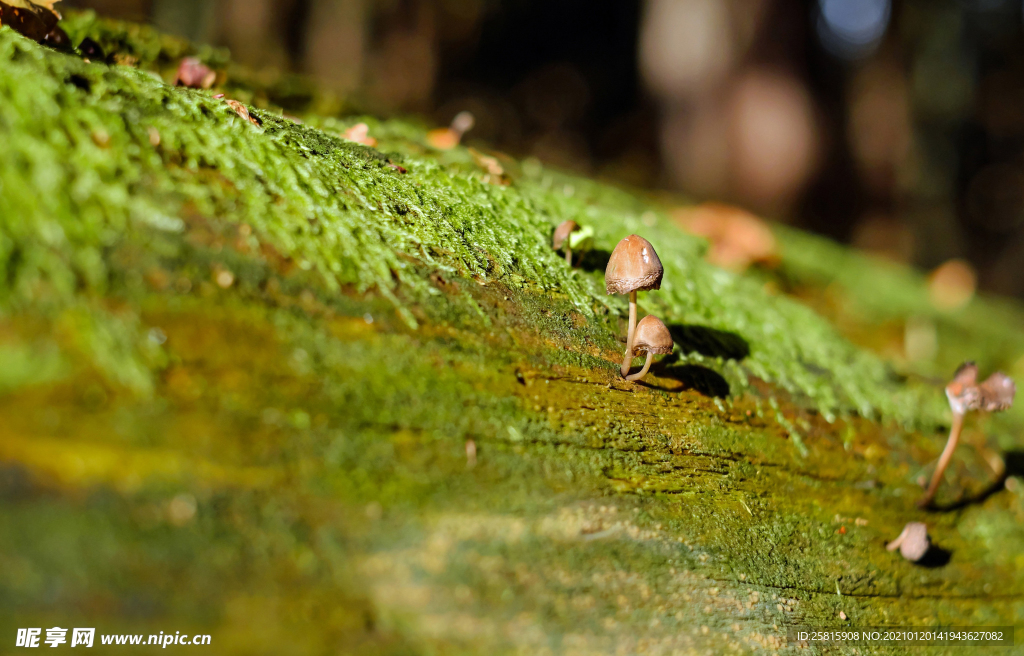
(194, 74)
(359, 133)
(33, 19)
(488, 163)
(495, 172)
(125, 59)
(952, 285)
(738, 238)
(442, 138)
(243, 111)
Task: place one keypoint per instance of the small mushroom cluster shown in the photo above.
(635, 267)
(965, 394)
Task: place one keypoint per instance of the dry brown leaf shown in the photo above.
(495, 172)
(243, 111)
(125, 59)
(193, 74)
(738, 238)
(359, 133)
(33, 19)
(443, 138)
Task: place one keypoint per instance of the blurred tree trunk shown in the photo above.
(192, 19)
(336, 42)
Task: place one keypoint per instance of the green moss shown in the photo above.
(83, 135)
(250, 364)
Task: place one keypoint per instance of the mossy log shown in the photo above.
(310, 397)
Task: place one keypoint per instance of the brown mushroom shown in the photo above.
(965, 393)
(653, 337)
(913, 542)
(633, 267)
(561, 238)
(449, 137)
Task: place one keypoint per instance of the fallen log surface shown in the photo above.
(311, 396)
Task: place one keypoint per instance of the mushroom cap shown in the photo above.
(913, 542)
(652, 336)
(997, 392)
(562, 233)
(964, 392)
(463, 122)
(633, 267)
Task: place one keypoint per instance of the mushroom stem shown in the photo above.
(642, 372)
(568, 255)
(947, 455)
(627, 360)
(895, 544)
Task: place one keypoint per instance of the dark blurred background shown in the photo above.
(893, 125)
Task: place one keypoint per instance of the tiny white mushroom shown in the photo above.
(913, 542)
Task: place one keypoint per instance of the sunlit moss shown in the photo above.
(113, 155)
